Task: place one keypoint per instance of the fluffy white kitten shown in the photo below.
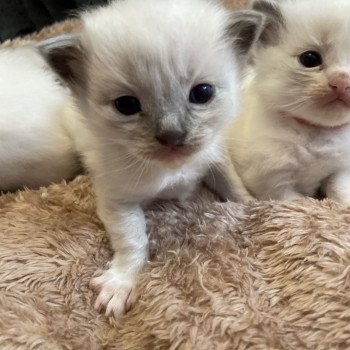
(156, 83)
(293, 136)
(35, 145)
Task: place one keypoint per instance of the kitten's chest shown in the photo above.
(153, 183)
(321, 156)
(303, 153)
(179, 185)
(329, 149)
(308, 158)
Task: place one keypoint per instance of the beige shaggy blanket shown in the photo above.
(267, 275)
(222, 276)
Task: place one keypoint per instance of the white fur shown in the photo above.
(156, 50)
(277, 156)
(35, 146)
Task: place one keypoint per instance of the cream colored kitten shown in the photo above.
(156, 83)
(293, 136)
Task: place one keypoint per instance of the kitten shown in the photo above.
(156, 83)
(35, 145)
(293, 136)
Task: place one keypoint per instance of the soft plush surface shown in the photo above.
(267, 275)
(222, 275)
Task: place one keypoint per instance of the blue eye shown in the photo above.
(127, 105)
(310, 59)
(201, 93)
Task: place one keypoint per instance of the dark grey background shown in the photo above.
(20, 17)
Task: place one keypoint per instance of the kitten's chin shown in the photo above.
(330, 112)
(172, 165)
(322, 118)
(334, 115)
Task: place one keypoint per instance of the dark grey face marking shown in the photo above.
(274, 21)
(245, 28)
(172, 138)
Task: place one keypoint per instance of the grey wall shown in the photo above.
(20, 17)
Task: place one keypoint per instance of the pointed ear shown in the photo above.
(245, 28)
(66, 57)
(274, 20)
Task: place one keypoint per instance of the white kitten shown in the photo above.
(293, 136)
(35, 145)
(157, 82)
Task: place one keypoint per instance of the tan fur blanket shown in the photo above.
(222, 275)
(267, 275)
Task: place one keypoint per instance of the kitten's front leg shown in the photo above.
(224, 181)
(337, 187)
(127, 231)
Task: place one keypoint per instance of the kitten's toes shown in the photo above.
(290, 196)
(130, 302)
(115, 290)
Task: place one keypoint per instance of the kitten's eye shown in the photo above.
(127, 105)
(310, 59)
(201, 93)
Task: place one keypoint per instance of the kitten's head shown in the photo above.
(302, 59)
(157, 77)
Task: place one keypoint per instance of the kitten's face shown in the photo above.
(164, 101)
(164, 86)
(305, 69)
(158, 78)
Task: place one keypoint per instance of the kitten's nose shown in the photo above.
(340, 83)
(171, 138)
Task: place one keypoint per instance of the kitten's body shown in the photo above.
(291, 139)
(157, 52)
(36, 147)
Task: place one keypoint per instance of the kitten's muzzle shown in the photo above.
(174, 148)
(172, 138)
(340, 83)
(338, 90)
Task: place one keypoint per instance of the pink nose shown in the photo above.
(340, 83)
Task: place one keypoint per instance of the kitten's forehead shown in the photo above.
(180, 20)
(140, 38)
(323, 24)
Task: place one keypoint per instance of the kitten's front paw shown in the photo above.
(338, 188)
(290, 196)
(116, 292)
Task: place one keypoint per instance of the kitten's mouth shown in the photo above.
(336, 101)
(309, 124)
(174, 154)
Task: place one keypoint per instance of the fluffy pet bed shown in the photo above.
(268, 275)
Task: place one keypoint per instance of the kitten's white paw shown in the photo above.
(338, 188)
(116, 292)
(290, 195)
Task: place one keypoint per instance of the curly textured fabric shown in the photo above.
(222, 276)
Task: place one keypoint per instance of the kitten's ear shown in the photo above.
(65, 55)
(244, 28)
(274, 20)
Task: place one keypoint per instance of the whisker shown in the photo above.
(129, 164)
(211, 172)
(144, 165)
